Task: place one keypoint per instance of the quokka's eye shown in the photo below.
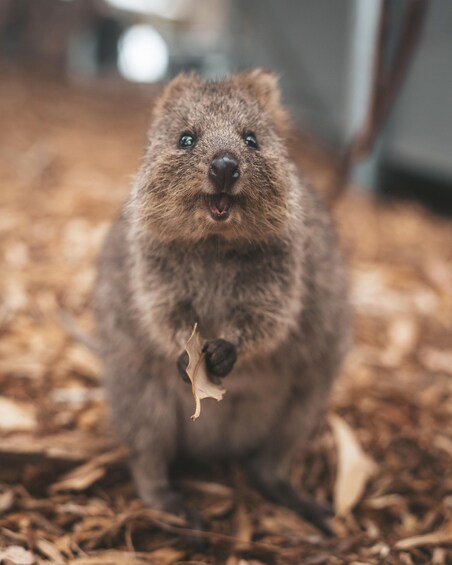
(250, 140)
(187, 140)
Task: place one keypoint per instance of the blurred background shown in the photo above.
(323, 52)
(78, 79)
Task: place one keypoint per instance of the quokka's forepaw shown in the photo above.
(221, 356)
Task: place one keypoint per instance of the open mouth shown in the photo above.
(220, 205)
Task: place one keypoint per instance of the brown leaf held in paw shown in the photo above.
(202, 386)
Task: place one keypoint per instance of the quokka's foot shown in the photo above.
(174, 503)
(282, 493)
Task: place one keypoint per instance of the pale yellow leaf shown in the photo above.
(50, 551)
(15, 416)
(167, 555)
(202, 386)
(17, 555)
(6, 501)
(114, 557)
(436, 360)
(354, 467)
(243, 531)
(85, 475)
(208, 487)
(243, 525)
(435, 538)
(403, 333)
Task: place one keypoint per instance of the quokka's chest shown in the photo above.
(212, 297)
(214, 291)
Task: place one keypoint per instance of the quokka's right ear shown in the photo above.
(179, 84)
(176, 87)
(263, 85)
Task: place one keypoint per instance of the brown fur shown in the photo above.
(269, 281)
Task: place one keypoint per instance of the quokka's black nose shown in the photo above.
(224, 172)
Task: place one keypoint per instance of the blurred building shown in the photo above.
(322, 51)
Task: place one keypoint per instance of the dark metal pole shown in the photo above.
(386, 86)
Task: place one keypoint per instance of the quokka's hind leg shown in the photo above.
(145, 414)
(269, 465)
(150, 473)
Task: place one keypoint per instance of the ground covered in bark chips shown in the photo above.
(385, 454)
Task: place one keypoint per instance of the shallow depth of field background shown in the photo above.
(77, 82)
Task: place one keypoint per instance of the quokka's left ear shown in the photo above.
(263, 85)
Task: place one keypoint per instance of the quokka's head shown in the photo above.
(216, 163)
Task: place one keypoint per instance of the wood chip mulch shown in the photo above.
(67, 154)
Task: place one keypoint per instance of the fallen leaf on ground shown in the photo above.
(218, 508)
(85, 475)
(202, 386)
(434, 538)
(16, 416)
(243, 525)
(208, 487)
(402, 336)
(17, 555)
(112, 557)
(166, 555)
(6, 500)
(243, 532)
(83, 361)
(50, 551)
(67, 446)
(354, 467)
(436, 360)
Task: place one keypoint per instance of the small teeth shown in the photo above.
(219, 205)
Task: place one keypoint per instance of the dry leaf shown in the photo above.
(6, 501)
(219, 508)
(243, 531)
(67, 446)
(439, 556)
(208, 487)
(16, 555)
(354, 467)
(112, 557)
(166, 555)
(202, 386)
(243, 525)
(434, 538)
(436, 360)
(76, 395)
(386, 501)
(50, 551)
(85, 475)
(82, 360)
(16, 416)
(403, 333)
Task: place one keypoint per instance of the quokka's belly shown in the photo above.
(242, 420)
